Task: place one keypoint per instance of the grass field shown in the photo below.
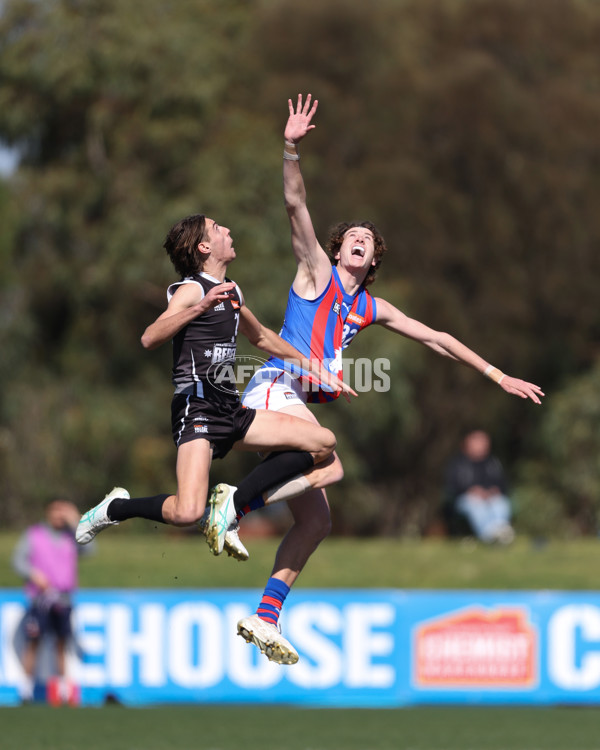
(262, 728)
(163, 559)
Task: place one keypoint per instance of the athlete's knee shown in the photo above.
(315, 526)
(327, 472)
(327, 445)
(335, 471)
(185, 515)
(183, 518)
(319, 528)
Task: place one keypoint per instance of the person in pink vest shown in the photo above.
(46, 556)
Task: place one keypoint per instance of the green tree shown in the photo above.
(466, 129)
(560, 494)
(116, 121)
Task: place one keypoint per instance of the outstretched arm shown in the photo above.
(268, 341)
(446, 345)
(188, 302)
(314, 267)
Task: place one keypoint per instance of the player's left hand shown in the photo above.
(335, 383)
(344, 390)
(521, 388)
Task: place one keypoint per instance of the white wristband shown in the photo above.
(290, 151)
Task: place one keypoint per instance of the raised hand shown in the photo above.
(298, 123)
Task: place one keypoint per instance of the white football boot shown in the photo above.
(268, 639)
(233, 544)
(221, 516)
(96, 519)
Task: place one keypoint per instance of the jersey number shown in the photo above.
(348, 334)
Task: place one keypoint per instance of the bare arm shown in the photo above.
(314, 267)
(20, 558)
(446, 345)
(188, 302)
(268, 341)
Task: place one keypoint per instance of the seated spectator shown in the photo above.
(476, 498)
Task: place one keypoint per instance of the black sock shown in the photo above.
(121, 508)
(276, 468)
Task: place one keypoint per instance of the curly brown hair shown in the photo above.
(336, 237)
(182, 242)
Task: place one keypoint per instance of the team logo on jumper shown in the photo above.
(235, 304)
(336, 307)
(476, 647)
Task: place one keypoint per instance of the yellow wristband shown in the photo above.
(493, 373)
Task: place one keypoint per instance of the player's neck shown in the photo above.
(351, 278)
(216, 269)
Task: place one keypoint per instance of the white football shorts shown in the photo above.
(274, 389)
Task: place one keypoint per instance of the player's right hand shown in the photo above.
(218, 294)
(298, 123)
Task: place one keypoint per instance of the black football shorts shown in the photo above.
(220, 419)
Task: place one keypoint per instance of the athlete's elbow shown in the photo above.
(149, 341)
(293, 202)
(446, 340)
(441, 343)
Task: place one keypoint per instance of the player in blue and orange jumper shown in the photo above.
(328, 304)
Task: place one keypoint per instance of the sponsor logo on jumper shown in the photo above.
(289, 395)
(219, 307)
(477, 648)
(354, 318)
(223, 353)
(200, 428)
(336, 307)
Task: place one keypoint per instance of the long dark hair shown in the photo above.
(181, 244)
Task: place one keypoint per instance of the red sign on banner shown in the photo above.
(477, 648)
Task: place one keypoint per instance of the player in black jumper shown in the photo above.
(204, 314)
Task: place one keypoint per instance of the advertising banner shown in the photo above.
(371, 648)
